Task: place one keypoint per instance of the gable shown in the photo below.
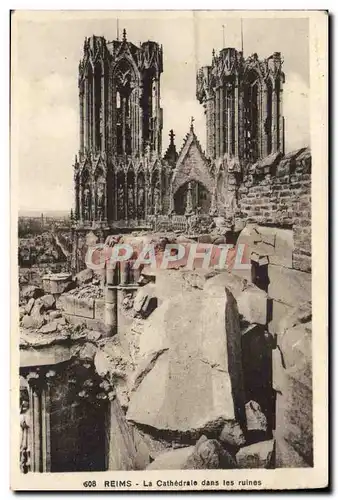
(192, 165)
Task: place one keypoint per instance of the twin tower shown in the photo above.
(120, 173)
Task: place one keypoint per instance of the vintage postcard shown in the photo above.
(169, 230)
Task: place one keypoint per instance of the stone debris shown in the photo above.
(209, 454)
(48, 302)
(29, 305)
(84, 277)
(195, 384)
(87, 291)
(32, 322)
(256, 456)
(232, 434)
(206, 454)
(32, 292)
(255, 418)
(252, 305)
(172, 460)
(55, 314)
(49, 327)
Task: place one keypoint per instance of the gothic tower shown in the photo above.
(120, 129)
(243, 105)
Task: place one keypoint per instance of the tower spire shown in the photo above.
(124, 35)
(242, 46)
(223, 36)
(117, 30)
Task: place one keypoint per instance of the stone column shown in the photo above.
(135, 198)
(81, 97)
(94, 129)
(265, 138)
(123, 104)
(146, 191)
(111, 301)
(274, 128)
(103, 104)
(241, 141)
(39, 402)
(126, 196)
(115, 211)
(189, 206)
(81, 202)
(230, 103)
(281, 122)
(217, 123)
(236, 125)
(221, 121)
(86, 113)
(140, 125)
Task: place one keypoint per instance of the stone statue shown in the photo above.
(130, 201)
(156, 200)
(120, 201)
(100, 201)
(86, 203)
(140, 202)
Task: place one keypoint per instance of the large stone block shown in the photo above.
(84, 308)
(279, 312)
(292, 378)
(99, 307)
(289, 285)
(67, 303)
(206, 454)
(189, 368)
(252, 305)
(256, 456)
(275, 243)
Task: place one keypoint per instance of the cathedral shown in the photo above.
(122, 178)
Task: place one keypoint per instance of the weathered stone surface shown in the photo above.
(84, 307)
(194, 380)
(93, 336)
(256, 456)
(49, 327)
(84, 276)
(225, 280)
(299, 314)
(126, 450)
(145, 300)
(255, 418)
(48, 302)
(55, 314)
(37, 309)
(286, 455)
(295, 345)
(32, 291)
(22, 312)
(279, 312)
(289, 285)
(232, 434)
(32, 322)
(29, 305)
(209, 454)
(292, 376)
(87, 352)
(60, 321)
(172, 460)
(206, 454)
(252, 305)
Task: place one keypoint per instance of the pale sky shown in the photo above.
(49, 50)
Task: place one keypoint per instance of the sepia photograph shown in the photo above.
(164, 218)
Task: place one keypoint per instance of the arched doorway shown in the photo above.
(200, 197)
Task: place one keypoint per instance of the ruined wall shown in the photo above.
(277, 192)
